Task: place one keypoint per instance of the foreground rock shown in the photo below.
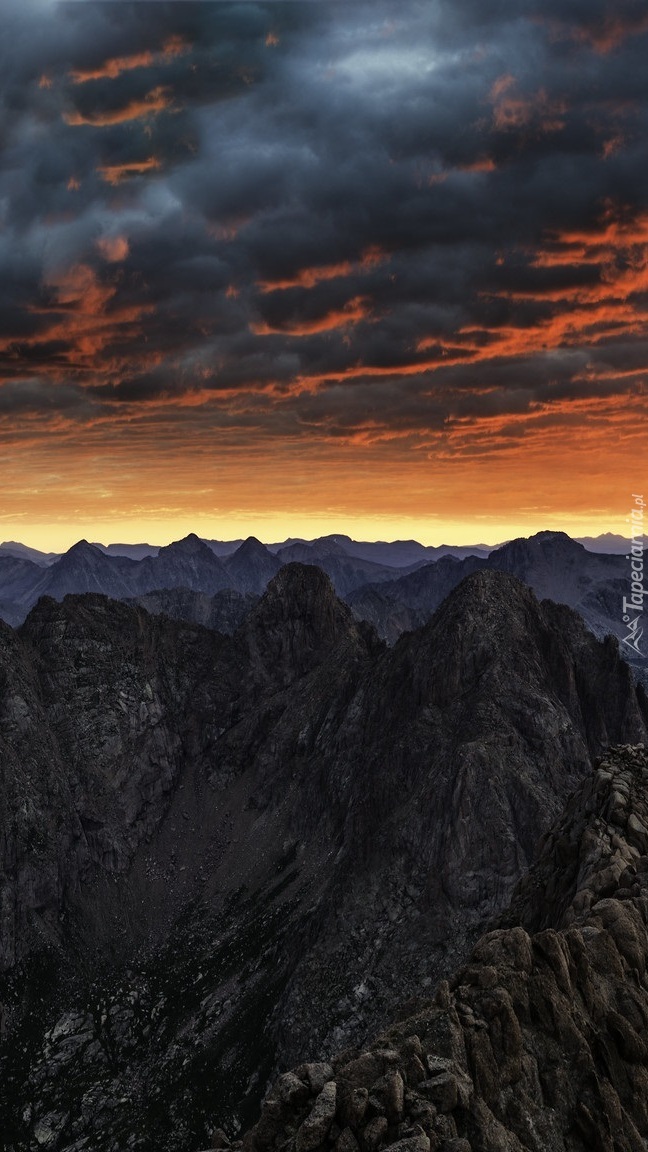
(540, 1041)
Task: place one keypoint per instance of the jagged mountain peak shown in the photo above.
(488, 603)
(303, 588)
(557, 544)
(297, 621)
(83, 548)
(252, 546)
(190, 545)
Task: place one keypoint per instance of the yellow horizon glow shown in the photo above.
(487, 530)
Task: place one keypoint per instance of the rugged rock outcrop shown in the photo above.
(539, 1043)
(226, 855)
(223, 612)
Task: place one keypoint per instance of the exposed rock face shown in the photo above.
(552, 564)
(224, 612)
(224, 855)
(540, 1041)
(346, 570)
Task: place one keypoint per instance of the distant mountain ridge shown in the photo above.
(394, 554)
(393, 599)
(551, 563)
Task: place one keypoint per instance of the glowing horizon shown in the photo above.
(271, 530)
(273, 266)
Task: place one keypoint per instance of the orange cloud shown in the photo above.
(513, 110)
(617, 248)
(352, 313)
(482, 164)
(272, 40)
(310, 277)
(73, 184)
(45, 81)
(611, 146)
(611, 32)
(111, 69)
(156, 101)
(114, 249)
(84, 320)
(175, 46)
(117, 173)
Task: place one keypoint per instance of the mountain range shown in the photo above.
(395, 554)
(178, 578)
(222, 856)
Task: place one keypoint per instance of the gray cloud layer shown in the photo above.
(398, 168)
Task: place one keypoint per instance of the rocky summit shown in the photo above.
(223, 856)
(539, 1042)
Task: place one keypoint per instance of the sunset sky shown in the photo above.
(305, 267)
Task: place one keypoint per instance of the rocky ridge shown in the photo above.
(539, 1043)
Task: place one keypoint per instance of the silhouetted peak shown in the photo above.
(251, 547)
(190, 545)
(82, 550)
(548, 543)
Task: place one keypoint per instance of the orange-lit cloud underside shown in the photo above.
(552, 453)
(309, 277)
(112, 68)
(157, 100)
(117, 173)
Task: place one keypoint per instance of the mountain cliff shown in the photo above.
(539, 1043)
(225, 855)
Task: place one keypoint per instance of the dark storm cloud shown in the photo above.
(345, 208)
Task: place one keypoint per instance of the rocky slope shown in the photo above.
(224, 855)
(223, 612)
(539, 1043)
(551, 563)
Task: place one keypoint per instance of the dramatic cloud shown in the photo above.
(371, 259)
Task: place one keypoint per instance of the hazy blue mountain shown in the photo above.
(187, 563)
(22, 552)
(251, 567)
(551, 563)
(403, 553)
(133, 551)
(607, 542)
(223, 547)
(392, 599)
(346, 572)
(85, 568)
(21, 580)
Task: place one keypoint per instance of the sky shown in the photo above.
(304, 267)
